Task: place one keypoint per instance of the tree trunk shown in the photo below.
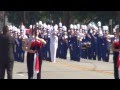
(117, 17)
(1, 19)
(66, 18)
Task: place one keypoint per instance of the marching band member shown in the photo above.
(70, 44)
(60, 32)
(64, 43)
(48, 43)
(54, 44)
(116, 50)
(107, 45)
(33, 47)
(94, 44)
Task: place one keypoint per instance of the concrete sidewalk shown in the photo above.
(66, 69)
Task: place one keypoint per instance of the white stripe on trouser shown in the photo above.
(53, 50)
(34, 72)
(119, 72)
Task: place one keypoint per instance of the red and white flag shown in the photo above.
(118, 65)
(36, 66)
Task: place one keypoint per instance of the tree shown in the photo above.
(15, 17)
(67, 17)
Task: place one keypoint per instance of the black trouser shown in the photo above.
(89, 56)
(84, 53)
(78, 50)
(64, 51)
(115, 60)
(58, 52)
(71, 53)
(48, 51)
(21, 55)
(8, 65)
(107, 55)
(30, 61)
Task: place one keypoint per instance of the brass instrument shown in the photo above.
(88, 44)
(84, 46)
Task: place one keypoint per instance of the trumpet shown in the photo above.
(65, 37)
(88, 44)
(84, 46)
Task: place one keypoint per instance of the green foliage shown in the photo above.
(67, 17)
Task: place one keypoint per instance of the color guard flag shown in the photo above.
(36, 66)
(118, 65)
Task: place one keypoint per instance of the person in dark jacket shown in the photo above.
(6, 53)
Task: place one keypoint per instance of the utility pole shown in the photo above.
(4, 18)
(110, 26)
(118, 22)
(66, 17)
(24, 17)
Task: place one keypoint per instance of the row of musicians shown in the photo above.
(90, 47)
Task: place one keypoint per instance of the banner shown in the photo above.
(36, 66)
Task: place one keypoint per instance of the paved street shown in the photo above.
(66, 69)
